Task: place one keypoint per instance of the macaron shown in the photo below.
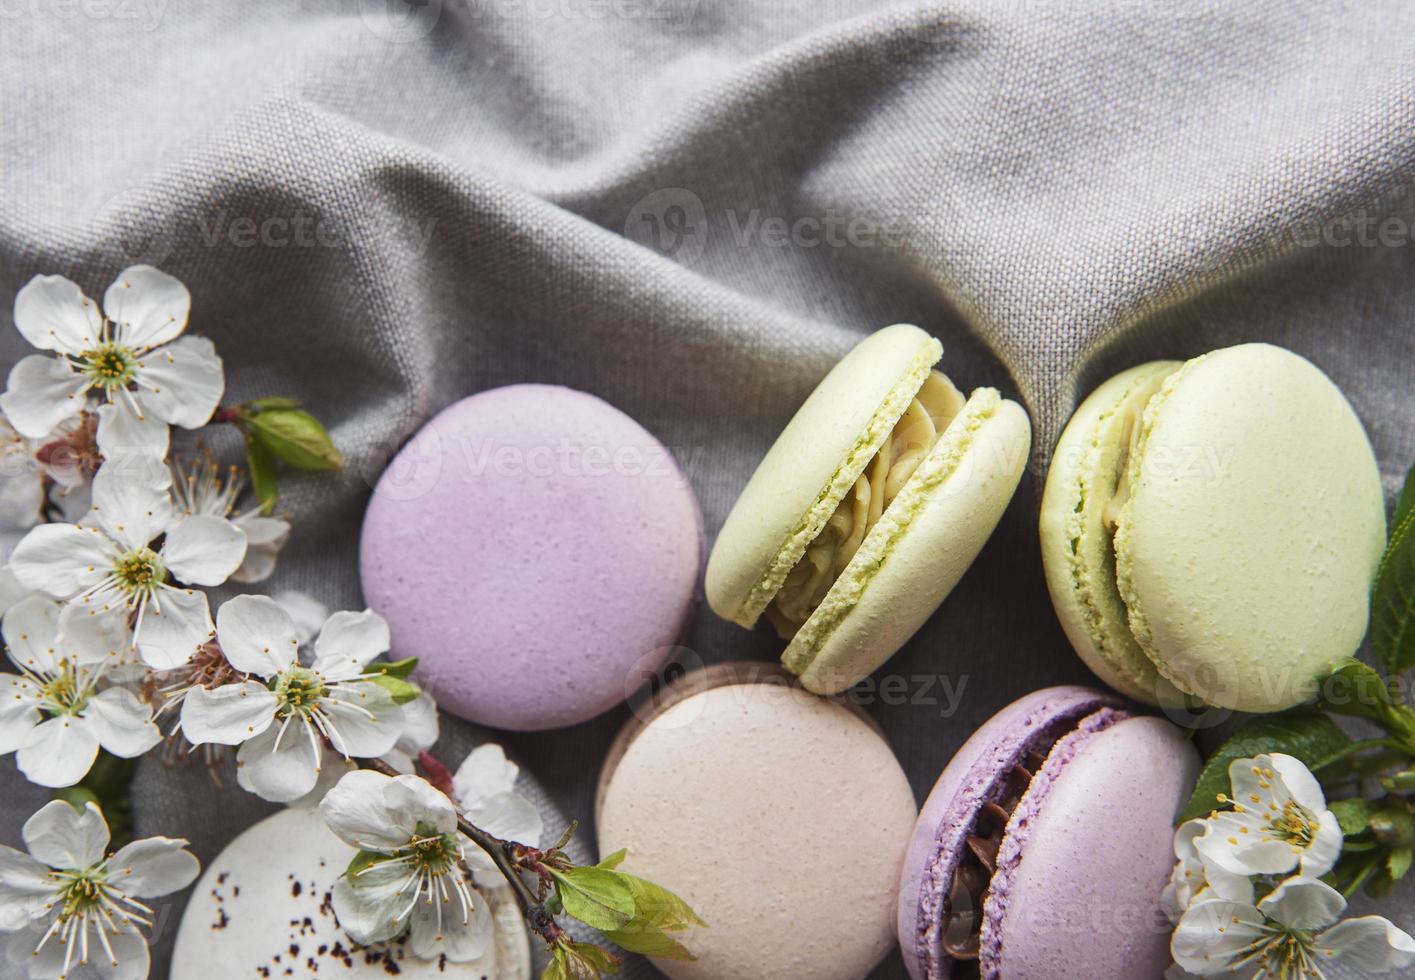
(538, 551)
(1213, 526)
(1046, 844)
(779, 816)
(263, 909)
(868, 509)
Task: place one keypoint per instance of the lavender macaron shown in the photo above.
(538, 551)
(1044, 848)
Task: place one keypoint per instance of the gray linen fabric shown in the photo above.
(692, 208)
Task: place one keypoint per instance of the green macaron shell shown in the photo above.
(1077, 553)
(1253, 527)
(812, 465)
(919, 549)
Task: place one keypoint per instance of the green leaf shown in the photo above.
(614, 860)
(265, 478)
(1393, 597)
(1303, 733)
(657, 906)
(272, 402)
(650, 941)
(1401, 782)
(393, 668)
(1399, 861)
(1352, 814)
(296, 437)
(596, 897)
(1405, 503)
(362, 860)
(401, 690)
(1355, 689)
(556, 969)
(601, 959)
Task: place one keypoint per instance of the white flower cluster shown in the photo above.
(108, 547)
(1235, 912)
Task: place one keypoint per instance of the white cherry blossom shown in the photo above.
(110, 565)
(281, 720)
(131, 353)
(1195, 880)
(412, 877)
(200, 488)
(1279, 821)
(69, 903)
(418, 734)
(58, 711)
(1293, 932)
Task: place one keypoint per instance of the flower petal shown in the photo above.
(1370, 944)
(21, 495)
(418, 732)
(280, 775)
(148, 306)
(65, 838)
(31, 629)
(227, 715)
(485, 773)
(24, 886)
(349, 641)
(53, 313)
(41, 392)
(256, 634)
(204, 550)
(509, 816)
(131, 959)
(18, 714)
(412, 800)
(1300, 782)
(131, 504)
(153, 867)
(265, 536)
(1211, 934)
(182, 382)
(1320, 855)
(370, 907)
(121, 433)
(357, 813)
(121, 722)
(1237, 843)
(364, 720)
(447, 928)
(305, 611)
(175, 629)
(58, 752)
(62, 560)
(90, 639)
(1303, 903)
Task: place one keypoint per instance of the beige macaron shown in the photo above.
(868, 509)
(1211, 528)
(781, 817)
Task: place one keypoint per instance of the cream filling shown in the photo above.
(935, 405)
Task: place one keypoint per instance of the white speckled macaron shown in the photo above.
(779, 816)
(1214, 526)
(868, 509)
(263, 909)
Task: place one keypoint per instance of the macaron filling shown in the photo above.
(953, 910)
(1111, 611)
(928, 415)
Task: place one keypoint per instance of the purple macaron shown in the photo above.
(538, 551)
(1044, 847)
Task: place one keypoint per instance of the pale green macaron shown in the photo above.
(883, 429)
(1211, 528)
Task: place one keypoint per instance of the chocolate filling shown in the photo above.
(961, 928)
